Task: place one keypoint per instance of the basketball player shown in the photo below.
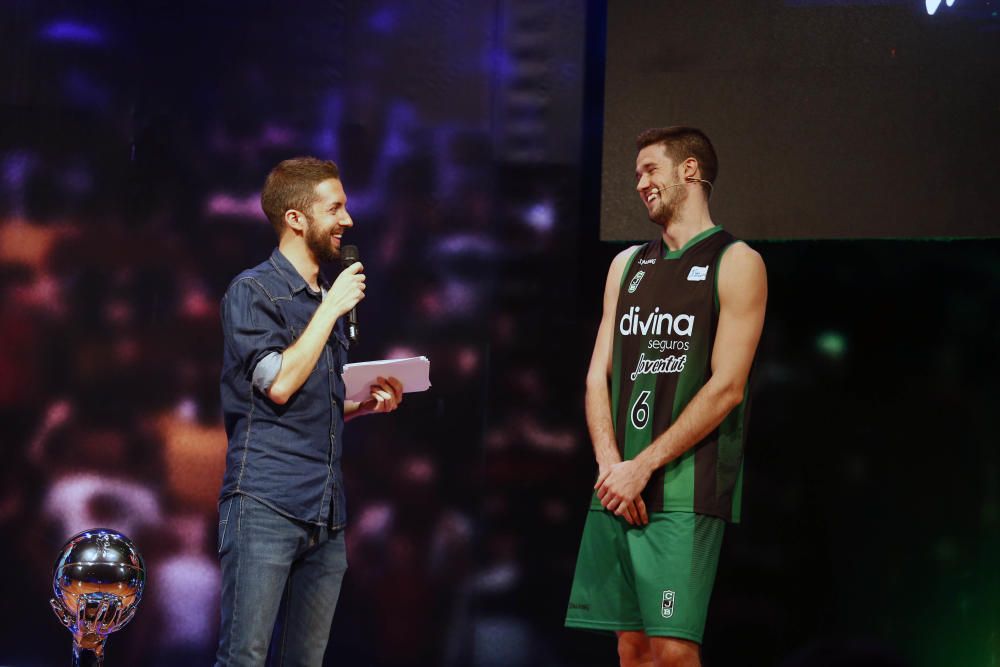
(667, 407)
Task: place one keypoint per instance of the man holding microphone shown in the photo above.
(282, 507)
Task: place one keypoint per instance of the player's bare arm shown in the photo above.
(598, 400)
(742, 301)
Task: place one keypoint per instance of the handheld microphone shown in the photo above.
(348, 256)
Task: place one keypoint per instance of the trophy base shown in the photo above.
(85, 657)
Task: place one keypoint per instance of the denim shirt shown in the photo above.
(286, 456)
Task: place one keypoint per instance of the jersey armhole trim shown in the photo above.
(718, 267)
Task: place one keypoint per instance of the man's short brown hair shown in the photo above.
(292, 185)
(680, 143)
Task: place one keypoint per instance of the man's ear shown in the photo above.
(689, 169)
(295, 220)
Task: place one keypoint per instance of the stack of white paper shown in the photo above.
(412, 372)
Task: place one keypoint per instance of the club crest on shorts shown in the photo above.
(635, 281)
(668, 604)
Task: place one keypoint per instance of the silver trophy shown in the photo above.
(97, 581)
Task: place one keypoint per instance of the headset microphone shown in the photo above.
(686, 181)
(700, 180)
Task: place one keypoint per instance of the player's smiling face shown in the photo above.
(655, 173)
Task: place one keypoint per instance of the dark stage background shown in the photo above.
(135, 138)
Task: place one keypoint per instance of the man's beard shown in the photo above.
(320, 242)
(667, 209)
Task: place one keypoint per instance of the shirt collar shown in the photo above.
(296, 283)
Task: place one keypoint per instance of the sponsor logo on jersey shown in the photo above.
(655, 323)
(635, 282)
(647, 262)
(670, 364)
(662, 345)
(668, 604)
(698, 273)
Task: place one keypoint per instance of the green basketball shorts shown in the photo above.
(655, 578)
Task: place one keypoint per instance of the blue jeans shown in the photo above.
(267, 557)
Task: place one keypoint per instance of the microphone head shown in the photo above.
(348, 255)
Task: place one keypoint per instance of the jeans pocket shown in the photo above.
(225, 510)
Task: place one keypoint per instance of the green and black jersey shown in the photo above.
(665, 325)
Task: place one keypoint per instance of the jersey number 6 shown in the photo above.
(640, 411)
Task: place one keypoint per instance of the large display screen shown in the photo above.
(877, 119)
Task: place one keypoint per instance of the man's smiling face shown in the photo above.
(656, 178)
(327, 220)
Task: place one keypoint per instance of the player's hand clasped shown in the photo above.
(618, 490)
(348, 289)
